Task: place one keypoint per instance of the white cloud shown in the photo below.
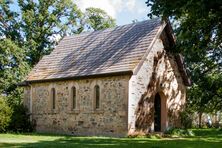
(102, 4)
(112, 7)
(131, 4)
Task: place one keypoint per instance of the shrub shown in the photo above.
(141, 134)
(5, 114)
(20, 120)
(137, 134)
(178, 132)
(186, 119)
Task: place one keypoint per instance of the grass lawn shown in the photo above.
(204, 138)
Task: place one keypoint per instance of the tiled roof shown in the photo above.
(113, 50)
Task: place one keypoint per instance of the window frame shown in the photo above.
(97, 97)
(53, 98)
(74, 103)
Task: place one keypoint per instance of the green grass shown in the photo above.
(203, 138)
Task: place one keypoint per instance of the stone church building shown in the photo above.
(112, 82)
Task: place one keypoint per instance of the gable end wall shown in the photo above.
(158, 74)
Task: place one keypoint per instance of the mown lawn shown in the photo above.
(204, 138)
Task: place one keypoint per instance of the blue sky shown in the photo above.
(124, 11)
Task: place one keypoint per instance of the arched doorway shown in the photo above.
(157, 113)
(160, 113)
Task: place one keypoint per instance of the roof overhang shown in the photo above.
(121, 73)
(182, 69)
(170, 42)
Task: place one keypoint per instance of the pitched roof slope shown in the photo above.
(101, 52)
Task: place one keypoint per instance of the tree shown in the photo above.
(5, 114)
(29, 33)
(198, 28)
(38, 24)
(32, 32)
(97, 19)
(13, 67)
(43, 21)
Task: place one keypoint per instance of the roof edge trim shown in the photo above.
(139, 65)
(121, 73)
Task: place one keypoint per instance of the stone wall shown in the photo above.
(110, 119)
(158, 74)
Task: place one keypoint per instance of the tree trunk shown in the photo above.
(200, 118)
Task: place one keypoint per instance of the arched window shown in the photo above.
(53, 94)
(97, 97)
(74, 101)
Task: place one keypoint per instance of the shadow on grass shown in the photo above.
(205, 138)
(207, 133)
(119, 143)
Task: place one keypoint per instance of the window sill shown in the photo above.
(98, 111)
(75, 111)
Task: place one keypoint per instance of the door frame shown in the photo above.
(164, 111)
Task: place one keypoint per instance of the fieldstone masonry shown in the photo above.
(110, 119)
(158, 74)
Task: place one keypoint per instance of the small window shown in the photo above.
(74, 101)
(97, 97)
(53, 93)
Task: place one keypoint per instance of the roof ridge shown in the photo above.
(113, 28)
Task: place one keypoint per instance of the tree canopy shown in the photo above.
(198, 29)
(97, 19)
(33, 29)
